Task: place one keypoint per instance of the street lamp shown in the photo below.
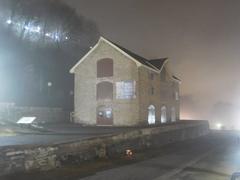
(49, 84)
(9, 21)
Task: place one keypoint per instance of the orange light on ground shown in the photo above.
(186, 116)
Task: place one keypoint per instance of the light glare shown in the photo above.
(26, 120)
(9, 21)
(219, 126)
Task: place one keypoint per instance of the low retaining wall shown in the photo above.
(29, 158)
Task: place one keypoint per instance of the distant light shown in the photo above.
(67, 38)
(48, 34)
(38, 29)
(33, 29)
(9, 21)
(57, 37)
(26, 27)
(49, 84)
(219, 126)
(26, 120)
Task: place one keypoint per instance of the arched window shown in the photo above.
(104, 90)
(163, 114)
(151, 115)
(105, 68)
(173, 114)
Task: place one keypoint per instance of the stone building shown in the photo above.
(116, 87)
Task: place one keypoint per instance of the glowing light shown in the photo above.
(9, 21)
(33, 28)
(57, 37)
(26, 27)
(38, 29)
(26, 120)
(67, 38)
(219, 126)
(129, 153)
(48, 34)
(49, 84)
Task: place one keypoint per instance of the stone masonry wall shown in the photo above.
(41, 158)
(125, 112)
(164, 95)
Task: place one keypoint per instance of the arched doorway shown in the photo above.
(151, 115)
(173, 114)
(104, 116)
(164, 114)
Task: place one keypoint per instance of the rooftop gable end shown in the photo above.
(155, 65)
(101, 40)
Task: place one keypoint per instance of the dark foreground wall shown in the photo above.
(29, 158)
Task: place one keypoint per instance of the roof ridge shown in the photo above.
(139, 58)
(159, 59)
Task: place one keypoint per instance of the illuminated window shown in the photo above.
(151, 115)
(163, 114)
(105, 68)
(177, 96)
(173, 114)
(104, 90)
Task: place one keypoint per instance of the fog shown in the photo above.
(201, 38)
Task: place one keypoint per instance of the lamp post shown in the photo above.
(49, 84)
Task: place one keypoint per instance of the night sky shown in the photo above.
(201, 38)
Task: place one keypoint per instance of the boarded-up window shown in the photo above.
(152, 90)
(151, 76)
(105, 68)
(104, 90)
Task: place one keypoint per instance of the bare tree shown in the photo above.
(51, 38)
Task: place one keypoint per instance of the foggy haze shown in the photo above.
(201, 38)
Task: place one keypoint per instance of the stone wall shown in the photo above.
(125, 112)
(40, 158)
(13, 113)
(164, 94)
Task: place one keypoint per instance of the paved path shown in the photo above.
(57, 134)
(213, 157)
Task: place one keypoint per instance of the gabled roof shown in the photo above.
(176, 78)
(154, 64)
(140, 59)
(158, 63)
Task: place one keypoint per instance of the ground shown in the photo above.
(212, 157)
(51, 133)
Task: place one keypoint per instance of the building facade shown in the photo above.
(115, 87)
